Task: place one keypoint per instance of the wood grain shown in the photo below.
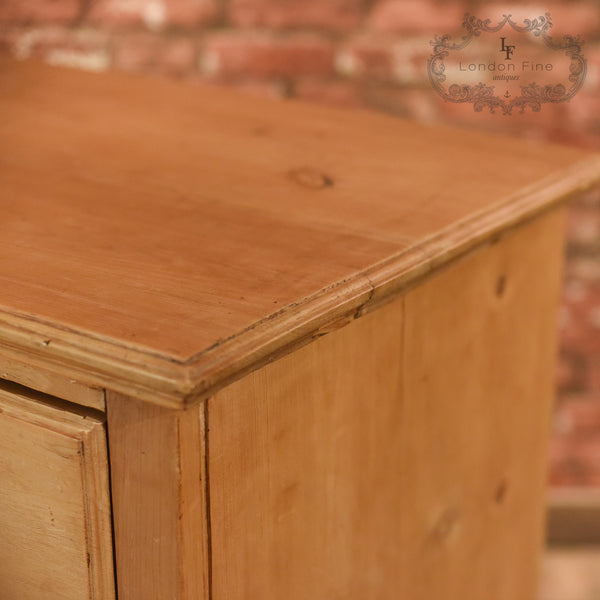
(479, 368)
(303, 461)
(158, 492)
(55, 523)
(37, 378)
(162, 240)
(403, 456)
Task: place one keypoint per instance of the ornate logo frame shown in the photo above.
(482, 95)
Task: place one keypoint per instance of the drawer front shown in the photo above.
(55, 526)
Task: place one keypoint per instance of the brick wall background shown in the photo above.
(363, 53)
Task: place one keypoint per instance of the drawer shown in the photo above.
(55, 524)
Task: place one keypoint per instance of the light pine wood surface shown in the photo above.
(304, 459)
(55, 521)
(37, 378)
(158, 492)
(404, 455)
(162, 240)
(481, 345)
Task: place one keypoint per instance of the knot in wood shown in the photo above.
(310, 177)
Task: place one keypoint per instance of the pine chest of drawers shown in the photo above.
(262, 350)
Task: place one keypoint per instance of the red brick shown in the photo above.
(337, 93)
(579, 415)
(569, 374)
(580, 329)
(81, 48)
(146, 52)
(366, 57)
(593, 374)
(575, 295)
(333, 15)
(584, 111)
(592, 55)
(20, 12)
(153, 14)
(583, 227)
(6, 42)
(9, 39)
(575, 461)
(261, 55)
(584, 268)
(425, 16)
(371, 58)
(574, 18)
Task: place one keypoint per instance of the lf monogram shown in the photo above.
(510, 50)
(448, 82)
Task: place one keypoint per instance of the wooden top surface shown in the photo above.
(161, 239)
